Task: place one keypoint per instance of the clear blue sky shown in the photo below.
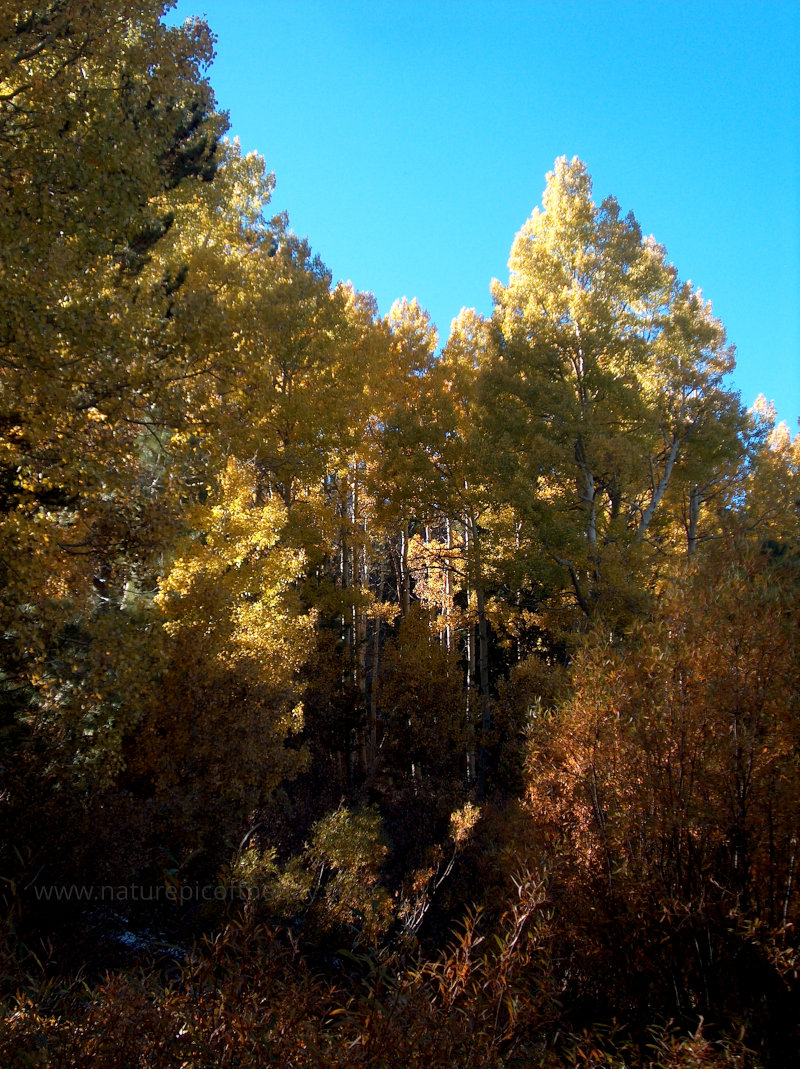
(410, 141)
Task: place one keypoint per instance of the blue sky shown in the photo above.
(410, 141)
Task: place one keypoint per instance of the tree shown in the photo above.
(110, 131)
(465, 490)
(772, 493)
(210, 747)
(608, 372)
(105, 115)
(406, 421)
(666, 786)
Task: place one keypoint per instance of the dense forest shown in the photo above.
(369, 698)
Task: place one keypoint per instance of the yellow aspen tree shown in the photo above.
(609, 373)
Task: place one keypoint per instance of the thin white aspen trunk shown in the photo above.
(358, 640)
(361, 634)
(659, 488)
(405, 576)
(695, 500)
(347, 636)
(587, 492)
(373, 696)
(483, 659)
(469, 629)
(472, 770)
(589, 499)
(446, 605)
(355, 621)
(518, 547)
(427, 558)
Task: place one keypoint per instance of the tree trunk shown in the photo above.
(483, 658)
(405, 584)
(447, 588)
(659, 488)
(695, 500)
